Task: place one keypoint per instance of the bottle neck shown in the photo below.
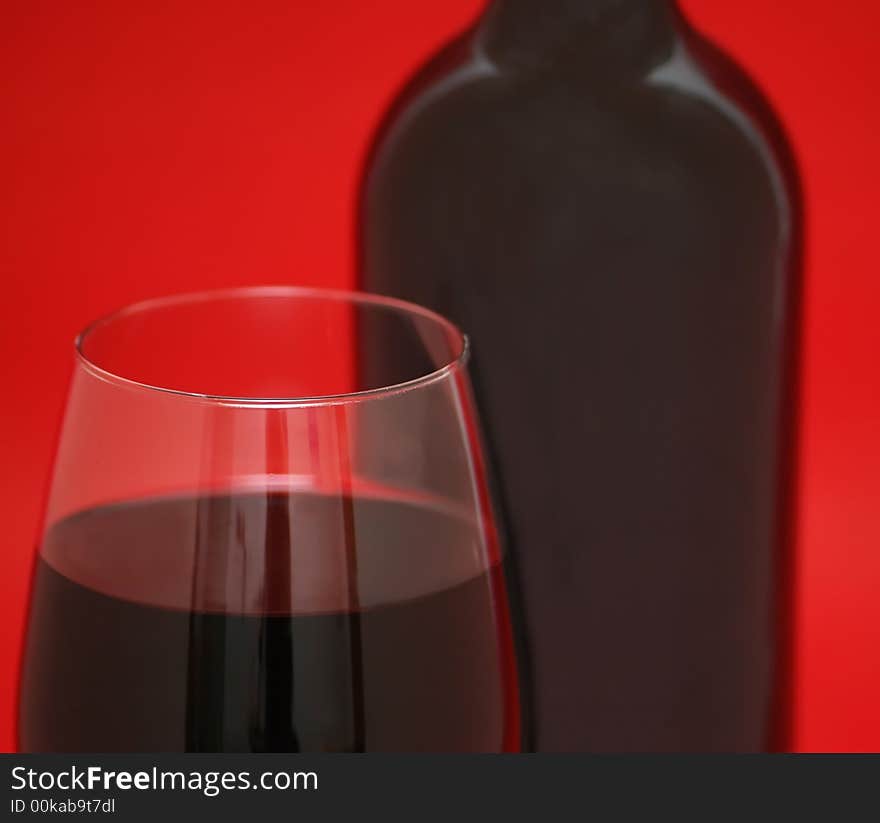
(624, 35)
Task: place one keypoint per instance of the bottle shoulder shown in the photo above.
(734, 89)
(462, 105)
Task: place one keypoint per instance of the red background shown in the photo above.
(153, 147)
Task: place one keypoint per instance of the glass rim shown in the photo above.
(352, 297)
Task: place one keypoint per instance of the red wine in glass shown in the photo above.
(314, 593)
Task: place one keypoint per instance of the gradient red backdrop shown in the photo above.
(154, 147)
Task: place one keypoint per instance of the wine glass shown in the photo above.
(269, 530)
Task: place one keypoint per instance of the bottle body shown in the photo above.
(602, 201)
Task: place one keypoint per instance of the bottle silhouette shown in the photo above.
(608, 206)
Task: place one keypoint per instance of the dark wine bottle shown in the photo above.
(607, 204)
